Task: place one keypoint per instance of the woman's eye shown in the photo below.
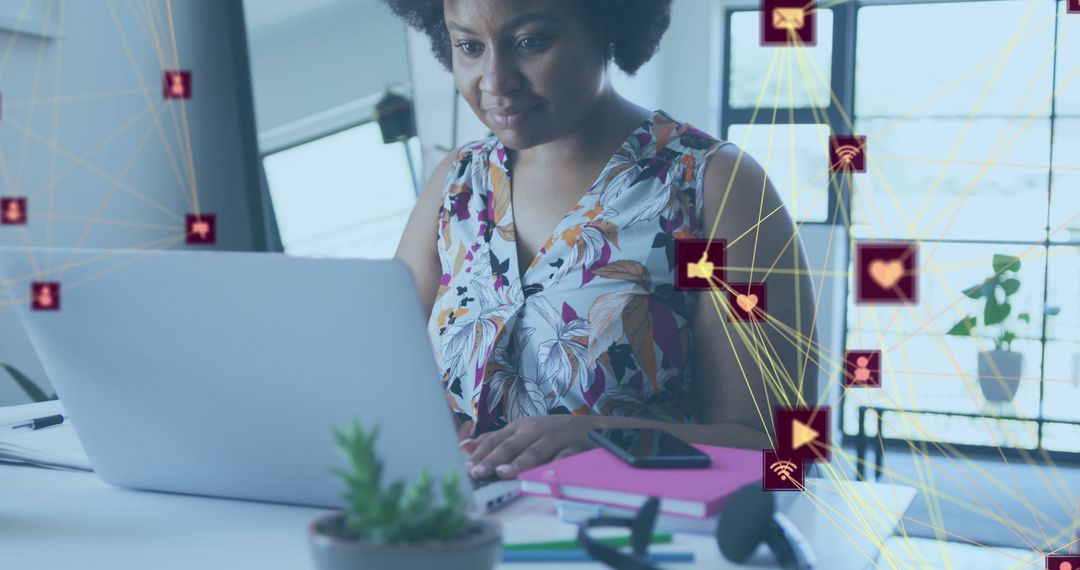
(532, 43)
(469, 48)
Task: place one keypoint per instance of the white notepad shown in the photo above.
(25, 446)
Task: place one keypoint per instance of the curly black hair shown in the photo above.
(632, 28)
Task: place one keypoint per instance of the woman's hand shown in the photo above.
(464, 430)
(526, 443)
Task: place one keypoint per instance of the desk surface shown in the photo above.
(58, 519)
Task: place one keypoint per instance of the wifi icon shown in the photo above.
(847, 154)
(783, 469)
(780, 473)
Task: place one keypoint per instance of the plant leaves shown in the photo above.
(1011, 286)
(610, 230)
(501, 188)
(637, 322)
(995, 313)
(605, 316)
(1003, 263)
(963, 328)
(36, 394)
(976, 291)
(507, 232)
(1024, 317)
(626, 270)
(397, 513)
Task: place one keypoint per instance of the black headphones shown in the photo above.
(641, 528)
(750, 518)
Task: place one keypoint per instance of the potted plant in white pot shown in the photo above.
(399, 527)
(999, 369)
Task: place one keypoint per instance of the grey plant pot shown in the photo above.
(999, 374)
(478, 551)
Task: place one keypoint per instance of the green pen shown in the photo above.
(616, 541)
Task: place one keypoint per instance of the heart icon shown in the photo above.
(886, 274)
(747, 302)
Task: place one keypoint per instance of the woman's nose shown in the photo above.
(500, 74)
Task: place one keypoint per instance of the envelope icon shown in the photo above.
(788, 18)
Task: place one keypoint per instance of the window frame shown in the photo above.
(842, 84)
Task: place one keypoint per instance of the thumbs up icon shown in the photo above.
(703, 269)
(699, 264)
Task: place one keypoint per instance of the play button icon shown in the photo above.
(803, 433)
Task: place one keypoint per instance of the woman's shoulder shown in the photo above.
(479, 148)
(684, 137)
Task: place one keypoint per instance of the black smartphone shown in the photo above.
(650, 448)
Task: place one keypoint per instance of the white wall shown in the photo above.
(321, 64)
(87, 136)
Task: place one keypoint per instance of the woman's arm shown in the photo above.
(744, 370)
(417, 247)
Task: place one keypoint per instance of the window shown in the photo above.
(973, 135)
(344, 195)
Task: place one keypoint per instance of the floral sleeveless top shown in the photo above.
(595, 325)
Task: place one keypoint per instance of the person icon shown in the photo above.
(176, 85)
(45, 296)
(862, 370)
(13, 213)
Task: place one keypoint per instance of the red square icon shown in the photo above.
(699, 261)
(886, 273)
(1073, 6)
(780, 473)
(847, 154)
(862, 369)
(788, 23)
(13, 211)
(177, 84)
(747, 301)
(802, 433)
(1063, 562)
(201, 229)
(45, 296)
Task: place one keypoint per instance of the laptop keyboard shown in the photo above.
(478, 483)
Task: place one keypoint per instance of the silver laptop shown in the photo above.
(225, 374)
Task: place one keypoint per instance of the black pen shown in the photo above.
(38, 423)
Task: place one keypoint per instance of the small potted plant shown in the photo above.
(999, 369)
(399, 527)
(27, 385)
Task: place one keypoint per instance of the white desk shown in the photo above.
(59, 520)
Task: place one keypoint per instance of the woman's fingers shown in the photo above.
(500, 456)
(481, 448)
(535, 454)
(493, 453)
(567, 452)
(465, 431)
(469, 445)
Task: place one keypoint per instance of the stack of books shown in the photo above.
(597, 483)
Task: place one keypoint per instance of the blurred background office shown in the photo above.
(971, 108)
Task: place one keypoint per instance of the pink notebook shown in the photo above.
(597, 476)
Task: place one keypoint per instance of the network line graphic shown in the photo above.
(898, 265)
(888, 276)
(132, 184)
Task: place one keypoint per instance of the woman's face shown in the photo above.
(531, 70)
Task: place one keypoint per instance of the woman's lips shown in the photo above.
(512, 120)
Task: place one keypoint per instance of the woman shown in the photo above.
(544, 252)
